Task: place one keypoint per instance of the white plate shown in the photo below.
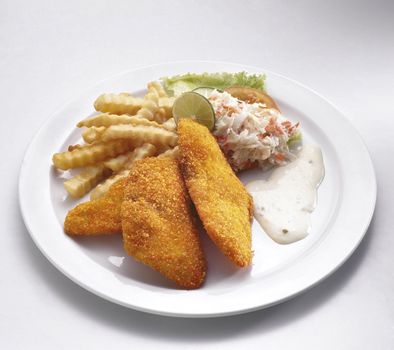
(279, 272)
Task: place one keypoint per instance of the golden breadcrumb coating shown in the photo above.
(223, 204)
(99, 216)
(158, 222)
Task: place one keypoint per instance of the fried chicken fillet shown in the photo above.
(159, 228)
(224, 206)
(99, 216)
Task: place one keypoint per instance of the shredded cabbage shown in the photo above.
(250, 134)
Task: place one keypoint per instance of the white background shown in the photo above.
(50, 51)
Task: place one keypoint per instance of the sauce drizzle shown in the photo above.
(284, 203)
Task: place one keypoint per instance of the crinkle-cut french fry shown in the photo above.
(172, 152)
(165, 106)
(118, 104)
(93, 134)
(141, 133)
(118, 163)
(169, 125)
(149, 110)
(101, 189)
(90, 154)
(107, 119)
(164, 102)
(144, 151)
(156, 86)
(82, 183)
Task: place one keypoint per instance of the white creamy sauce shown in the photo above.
(283, 204)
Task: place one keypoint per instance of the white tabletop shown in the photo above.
(50, 51)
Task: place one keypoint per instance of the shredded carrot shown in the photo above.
(221, 139)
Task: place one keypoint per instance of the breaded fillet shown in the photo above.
(159, 228)
(224, 206)
(99, 216)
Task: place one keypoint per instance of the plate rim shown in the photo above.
(22, 179)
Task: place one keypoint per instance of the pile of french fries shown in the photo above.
(126, 129)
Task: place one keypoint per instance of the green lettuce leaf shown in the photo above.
(179, 84)
(295, 139)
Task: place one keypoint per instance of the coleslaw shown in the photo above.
(250, 134)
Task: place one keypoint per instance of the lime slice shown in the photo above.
(204, 90)
(195, 106)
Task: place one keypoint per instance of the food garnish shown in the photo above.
(195, 106)
(179, 84)
(205, 91)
